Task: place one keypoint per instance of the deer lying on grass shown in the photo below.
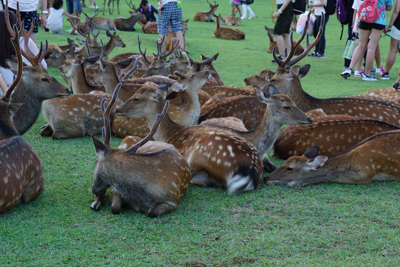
(231, 20)
(216, 156)
(228, 33)
(260, 79)
(56, 59)
(60, 49)
(206, 16)
(272, 42)
(35, 86)
(332, 134)
(82, 27)
(280, 110)
(387, 93)
(110, 10)
(151, 178)
(90, 44)
(21, 170)
(374, 159)
(128, 24)
(100, 23)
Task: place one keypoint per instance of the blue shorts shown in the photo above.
(27, 18)
(171, 15)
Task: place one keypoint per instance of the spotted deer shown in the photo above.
(374, 159)
(207, 63)
(91, 45)
(82, 27)
(280, 110)
(260, 79)
(149, 177)
(128, 24)
(216, 156)
(206, 16)
(231, 20)
(332, 134)
(21, 170)
(272, 42)
(61, 48)
(100, 23)
(386, 93)
(36, 84)
(228, 33)
(56, 58)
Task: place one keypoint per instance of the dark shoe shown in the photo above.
(313, 54)
(280, 58)
(385, 76)
(319, 55)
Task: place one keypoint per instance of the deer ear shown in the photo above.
(100, 148)
(177, 87)
(124, 63)
(78, 60)
(57, 54)
(13, 108)
(294, 72)
(181, 75)
(160, 95)
(108, 33)
(312, 152)
(304, 70)
(80, 42)
(13, 66)
(317, 163)
(272, 90)
(91, 60)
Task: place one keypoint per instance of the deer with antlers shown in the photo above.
(100, 23)
(374, 159)
(36, 84)
(216, 156)
(206, 16)
(128, 24)
(231, 20)
(149, 177)
(91, 43)
(228, 33)
(21, 170)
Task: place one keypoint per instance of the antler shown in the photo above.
(106, 130)
(153, 131)
(77, 29)
(144, 54)
(174, 45)
(15, 42)
(91, 30)
(132, 6)
(159, 44)
(133, 69)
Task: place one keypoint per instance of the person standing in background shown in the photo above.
(318, 8)
(246, 8)
(28, 10)
(394, 25)
(282, 26)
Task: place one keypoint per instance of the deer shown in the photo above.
(21, 170)
(280, 110)
(231, 20)
(206, 16)
(91, 43)
(260, 79)
(216, 156)
(332, 134)
(374, 159)
(36, 84)
(56, 58)
(110, 10)
(82, 27)
(149, 177)
(228, 33)
(272, 42)
(60, 49)
(128, 24)
(386, 93)
(100, 23)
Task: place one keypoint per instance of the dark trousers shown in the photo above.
(320, 47)
(349, 37)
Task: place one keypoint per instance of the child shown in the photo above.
(55, 19)
(147, 10)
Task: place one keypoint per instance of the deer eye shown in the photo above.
(135, 99)
(289, 169)
(286, 107)
(45, 80)
(155, 68)
(271, 81)
(257, 77)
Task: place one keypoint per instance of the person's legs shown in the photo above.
(349, 37)
(391, 57)
(360, 50)
(372, 44)
(280, 43)
(240, 12)
(76, 4)
(320, 47)
(244, 14)
(70, 6)
(287, 42)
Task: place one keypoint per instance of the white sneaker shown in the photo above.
(380, 71)
(242, 17)
(347, 73)
(359, 74)
(370, 78)
(252, 16)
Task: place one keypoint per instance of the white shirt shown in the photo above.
(24, 5)
(55, 19)
(8, 75)
(356, 6)
(319, 10)
(167, 1)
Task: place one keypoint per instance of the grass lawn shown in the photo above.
(323, 224)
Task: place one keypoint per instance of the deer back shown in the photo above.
(151, 28)
(228, 33)
(387, 93)
(228, 90)
(123, 24)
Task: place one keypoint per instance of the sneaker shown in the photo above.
(242, 17)
(380, 71)
(92, 6)
(68, 31)
(313, 54)
(373, 69)
(385, 76)
(252, 16)
(370, 78)
(280, 58)
(60, 32)
(359, 74)
(96, 7)
(319, 55)
(347, 73)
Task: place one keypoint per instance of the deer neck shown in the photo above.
(80, 83)
(191, 106)
(7, 129)
(303, 100)
(212, 11)
(111, 80)
(264, 136)
(110, 46)
(30, 111)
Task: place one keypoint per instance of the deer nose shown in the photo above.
(396, 85)
(266, 178)
(68, 91)
(310, 120)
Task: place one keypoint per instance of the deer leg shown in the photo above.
(201, 179)
(104, 6)
(46, 130)
(63, 134)
(268, 165)
(116, 203)
(160, 209)
(33, 190)
(96, 204)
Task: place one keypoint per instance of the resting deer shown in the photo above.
(272, 42)
(100, 23)
(149, 177)
(228, 33)
(21, 170)
(260, 79)
(91, 45)
(56, 59)
(60, 49)
(332, 134)
(280, 110)
(128, 24)
(82, 27)
(36, 84)
(206, 16)
(110, 10)
(216, 156)
(231, 20)
(374, 159)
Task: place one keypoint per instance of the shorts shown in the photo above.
(27, 18)
(284, 20)
(395, 33)
(368, 26)
(171, 15)
(234, 3)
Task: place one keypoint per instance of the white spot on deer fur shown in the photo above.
(217, 138)
(230, 150)
(70, 113)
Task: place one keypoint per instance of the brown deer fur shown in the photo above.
(123, 24)
(215, 156)
(260, 79)
(100, 23)
(206, 16)
(228, 33)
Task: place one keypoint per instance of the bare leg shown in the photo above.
(33, 37)
(280, 43)
(373, 43)
(182, 44)
(360, 50)
(164, 43)
(378, 57)
(287, 43)
(391, 57)
(3, 86)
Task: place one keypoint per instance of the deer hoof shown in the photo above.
(287, 186)
(95, 205)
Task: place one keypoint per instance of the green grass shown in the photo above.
(324, 224)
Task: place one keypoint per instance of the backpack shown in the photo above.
(368, 11)
(299, 6)
(344, 13)
(330, 7)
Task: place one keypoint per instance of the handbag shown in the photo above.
(351, 46)
(249, 2)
